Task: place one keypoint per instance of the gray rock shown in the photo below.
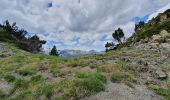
(5, 87)
(161, 74)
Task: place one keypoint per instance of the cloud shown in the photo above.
(153, 15)
(72, 25)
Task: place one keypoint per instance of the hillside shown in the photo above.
(138, 70)
(132, 73)
(145, 31)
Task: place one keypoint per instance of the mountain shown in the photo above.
(77, 53)
(139, 69)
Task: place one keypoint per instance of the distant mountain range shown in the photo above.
(77, 53)
(73, 53)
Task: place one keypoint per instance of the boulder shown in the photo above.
(161, 74)
(164, 34)
(156, 38)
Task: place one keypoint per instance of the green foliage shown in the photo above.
(153, 87)
(109, 46)
(11, 33)
(118, 35)
(54, 51)
(140, 25)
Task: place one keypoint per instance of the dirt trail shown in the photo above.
(119, 91)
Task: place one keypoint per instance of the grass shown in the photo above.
(47, 90)
(108, 69)
(118, 77)
(78, 88)
(160, 91)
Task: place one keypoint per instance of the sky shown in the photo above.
(79, 25)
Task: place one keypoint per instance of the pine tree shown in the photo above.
(54, 51)
(118, 35)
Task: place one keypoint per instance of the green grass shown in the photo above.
(78, 88)
(160, 91)
(47, 90)
(118, 77)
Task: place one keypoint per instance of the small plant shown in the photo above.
(153, 87)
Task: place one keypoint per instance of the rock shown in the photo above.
(156, 38)
(165, 45)
(161, 74)
(126, 59)
(5, 87)
(154, 45)
(164, 34)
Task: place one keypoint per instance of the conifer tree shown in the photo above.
(54, 51)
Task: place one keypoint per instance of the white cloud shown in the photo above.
(153, 15)
(89, 20)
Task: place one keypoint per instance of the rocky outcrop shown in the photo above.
(157, 42)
